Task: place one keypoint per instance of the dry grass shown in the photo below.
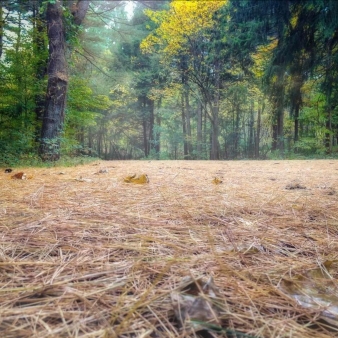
(83, 254)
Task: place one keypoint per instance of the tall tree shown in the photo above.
(57, 71)
(181, 31)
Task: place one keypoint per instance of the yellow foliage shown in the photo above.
(181, 22)
(262, 57)
(142, 179)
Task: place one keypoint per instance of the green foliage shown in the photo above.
(19, 88)
(33, 160)
(265, 75)
(309, 146)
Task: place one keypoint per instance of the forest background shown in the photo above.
(174, 79)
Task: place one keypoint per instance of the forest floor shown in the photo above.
(85, 254)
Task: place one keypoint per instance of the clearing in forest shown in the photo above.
(85, 254)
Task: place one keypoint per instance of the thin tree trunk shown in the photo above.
(184, 128)
(158, 136)
(205, 147)
(90, 141)
(251, 142)
(278, 113)
(328, 136)
(151, 138)
(296, 102)
(187, 116)
(280, 128)
(215, 114)
(258, 128)
(41, 70)
(2, 23)
(145, 140)
(236, 143)
(199, 130)
(214, 135)
(296, 117)
(329, 88)
(158, 132)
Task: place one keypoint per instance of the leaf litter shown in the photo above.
(175, 257)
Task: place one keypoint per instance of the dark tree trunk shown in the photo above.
(90, 142)
(251, 142)
(328, 136)
(41, 70)
(258, 128)
(187, 116)
(53, 119)
(2, 23)
(296, 101)
(151, 138)
(158, 133)
(145, 139)
(278, 112)
(214, 155)
(199, 130)
(184, 129)
(296, 117)
(328, 83)
(280, 126)
(57, 85)
(146, 133)
(205, 147)
(237, 133)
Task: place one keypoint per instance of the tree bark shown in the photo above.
(151, 138)
(184, 128)
(158, 132)
(258, 127)
(53, 119)
(41, 69)
(199, 130)
(188, 117)
(142, 102)
(214, 155)
(251, 142)
(278, 112)
(2, 23)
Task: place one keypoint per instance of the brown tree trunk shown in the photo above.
(296, 102)
(41, 69)
(2, 22)
(258, 128)
(329, 88)
(251, 142)
(158, 132)
(278, 112)
(214, 155)
(187, 116)
(184, 129)
(151, 137)
(199, 131)
(53, 119)
(237, 132)
(145, 139)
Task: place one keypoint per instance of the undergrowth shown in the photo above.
(32, 160)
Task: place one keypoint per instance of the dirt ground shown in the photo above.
(84, 254)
